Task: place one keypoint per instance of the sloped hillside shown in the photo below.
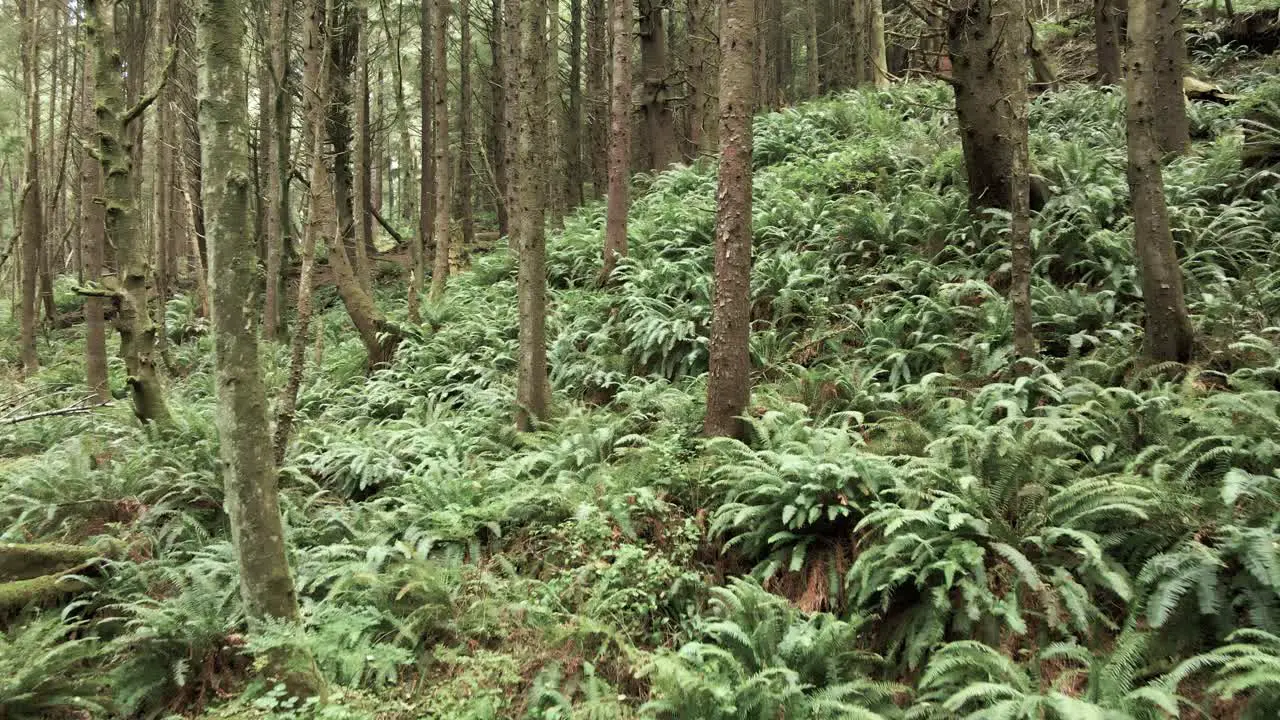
(911, 531)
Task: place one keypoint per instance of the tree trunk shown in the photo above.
(500, 120)
(532, 386)
(320, 217)
(278, 168)
(92, 243)
(1108, 38)
(987, 42)
(440, 271)
(32, 212)
(1172, 129)
(729, 384)
(877, 60)
(1168, 327)
(702, 75)
(362, 174)
(811, 65)
(573, 125)
(660, 140)
(422, 239)
(466, 142)
(554, 119)
(619, 202)
(379, 336)
(252, 497)
(129, 292)
(597, 97)
(512, 59)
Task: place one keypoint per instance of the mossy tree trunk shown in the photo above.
(249, 473)
(93, 246)
(1168, 327)
(729, 385)
(128, 292)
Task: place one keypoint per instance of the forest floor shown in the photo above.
(909, 531)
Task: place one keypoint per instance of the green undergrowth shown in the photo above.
(910, 530)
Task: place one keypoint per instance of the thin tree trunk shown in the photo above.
(619, 201)
(554, 118)
(729, 384)
(877, 56)
(811, 65)
(379, 336)
(532, 385)
(1168, 327)
(1172, 129)
(597, 97)
(1108, 39)
(32, 211)
(702, 65)
(512, 58)
(92, 242)
(440, 271)
(989, 64)
(499, 53)
(278, 168)
(422, 239)
(320, 216)
(129, 293)
(252, 496)
(466, 142)
(660, 138)
(362, 173)
(573, 125)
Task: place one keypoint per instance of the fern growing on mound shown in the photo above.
(1017, 549)
(47, 669)
(1248, 665)
(1064, 681)
(791, 504)
(762, 659)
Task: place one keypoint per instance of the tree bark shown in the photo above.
(1168, 327)
(129, 291)
(379, 336)
(660, 139)
(466, 142)
(426, 194)
(440, 271)
(276, 216)
(702, 75)
(1108, 39)
(512, 58)
(597, 142)
(876, 54)
(32, 210)
(987, 42)
(1172, 129)
(500, 121)
(811, 64)
(320, 217)
(362, 174)
(532, 385)
(574, 175)
(92, 244)
(619, 201)
(252, 497)
(729, 383)
(553, 116)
